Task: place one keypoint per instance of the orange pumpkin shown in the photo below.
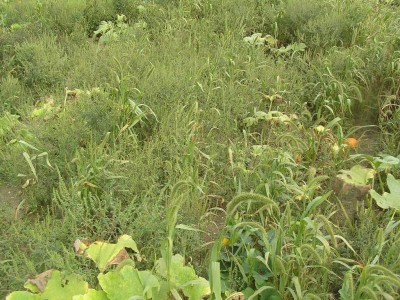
(351, 143)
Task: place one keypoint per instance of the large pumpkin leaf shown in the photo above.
(53, 286)
(105, 254)
(389, 200)
(128, 282)
(59, 288)
(92, 295)
(184, 278)
(162, 292)
(196, 289)
(387, 162)
(357, 175)
(38, 284)
(23, 296)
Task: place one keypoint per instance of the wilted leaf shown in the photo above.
(26, 184)
(80, 245)
(38, 284)
(105, 254)
(53, 286)
(120, 257)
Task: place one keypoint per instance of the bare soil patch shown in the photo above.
(10, 198)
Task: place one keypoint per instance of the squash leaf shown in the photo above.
(389, 200)
(23, 296)
(184, 278)
(53, 286)
(387, 162)
(64, 288)
(128, 282)
(105, 254)
(38, 284)
(357, 175)
(92, 295)
(255, 39)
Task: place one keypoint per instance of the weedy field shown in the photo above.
(190, 149)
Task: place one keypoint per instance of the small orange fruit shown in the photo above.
(351, 143)
(226, 241)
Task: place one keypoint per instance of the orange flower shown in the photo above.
(298, 158)
(351, 143)
(226, 241)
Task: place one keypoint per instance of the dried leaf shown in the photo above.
(120, 257)
(81, 244)
(38, 284)
(26, 184)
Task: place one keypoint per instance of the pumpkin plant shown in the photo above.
(169, 279)
(389, 200)
(123, 282)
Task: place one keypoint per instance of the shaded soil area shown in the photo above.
(10, 198)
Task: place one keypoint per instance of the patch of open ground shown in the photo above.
(10, 198)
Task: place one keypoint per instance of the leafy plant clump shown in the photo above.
(251, 148)
(391, 199)
(123, 282)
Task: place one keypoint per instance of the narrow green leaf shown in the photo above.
(187, 227)
(28, 159)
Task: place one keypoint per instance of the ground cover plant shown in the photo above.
(194, 149)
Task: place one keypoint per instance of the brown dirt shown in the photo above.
(10, 198)
(369, 142)
(212, 225)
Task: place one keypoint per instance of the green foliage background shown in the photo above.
(109, 124)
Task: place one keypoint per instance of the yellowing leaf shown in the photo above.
(26, 184)
(105, 254)
(52, 285)
(64, 288)
(38, 284)
(92, 295)
(23, 296)
(357, 175)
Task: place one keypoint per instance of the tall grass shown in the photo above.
(96, 134)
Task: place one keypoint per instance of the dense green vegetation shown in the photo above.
(268, 130)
